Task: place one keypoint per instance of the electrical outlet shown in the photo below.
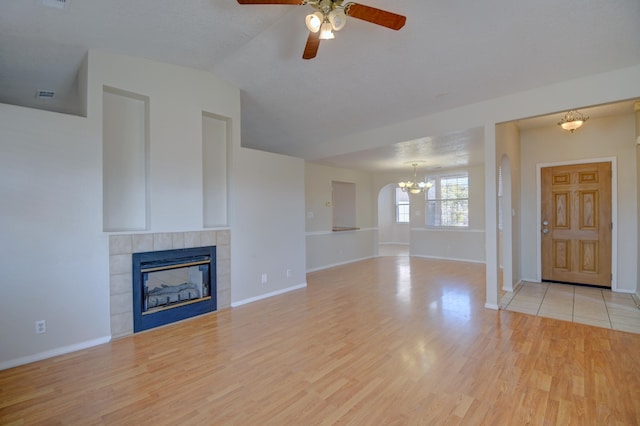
(41, 327)
(264, 278)
(288, 273)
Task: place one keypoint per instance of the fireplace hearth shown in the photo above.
(172, 285)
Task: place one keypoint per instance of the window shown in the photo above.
(448, 200)
(402, 206)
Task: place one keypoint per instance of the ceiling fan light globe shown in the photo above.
(314, 22)
(326, 32)
(338, 19)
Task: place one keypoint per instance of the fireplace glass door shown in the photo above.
(170, 286)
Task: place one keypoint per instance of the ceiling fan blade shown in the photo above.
(296, 2)
(311, 49)
(375, 16)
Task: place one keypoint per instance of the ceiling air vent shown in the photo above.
(55, 4)
(45, 94)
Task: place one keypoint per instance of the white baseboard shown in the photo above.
(449, 258)
(624, 290)
(267, 295)
(320, 268)
(514, 287)
(53, 352)
(492, 306)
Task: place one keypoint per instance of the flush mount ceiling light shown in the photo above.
(572, 120)
(414, 186)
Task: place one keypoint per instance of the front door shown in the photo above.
(576, 223)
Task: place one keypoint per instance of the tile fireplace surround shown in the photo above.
(120, 280)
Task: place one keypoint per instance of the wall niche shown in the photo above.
(215, 140)
(125, 147)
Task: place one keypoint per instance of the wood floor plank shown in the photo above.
(392, 340)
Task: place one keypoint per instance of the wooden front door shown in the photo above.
(576, 223)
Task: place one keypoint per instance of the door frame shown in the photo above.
(614, 212)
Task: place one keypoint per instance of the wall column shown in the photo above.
(636, 110)
(491, 217)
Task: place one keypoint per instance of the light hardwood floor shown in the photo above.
(386, 341)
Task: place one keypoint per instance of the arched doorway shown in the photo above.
(394, 230)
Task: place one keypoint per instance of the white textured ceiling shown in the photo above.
(450, 53)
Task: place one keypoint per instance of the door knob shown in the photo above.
(545, 222)
(545, 231)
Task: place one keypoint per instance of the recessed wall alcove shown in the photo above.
(125, 152)
(121, 248)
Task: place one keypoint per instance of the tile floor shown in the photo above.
(585, 305)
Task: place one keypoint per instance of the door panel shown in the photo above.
(576, 223)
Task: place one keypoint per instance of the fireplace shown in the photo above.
(172, 285)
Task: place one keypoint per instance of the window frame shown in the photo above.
(403, 203)
(436, 191)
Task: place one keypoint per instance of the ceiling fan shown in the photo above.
(331, 15)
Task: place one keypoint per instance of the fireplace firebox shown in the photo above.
(172, 285)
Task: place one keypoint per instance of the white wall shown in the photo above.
(54, 253)
(598, 138)
(324, 247)
(267, 224)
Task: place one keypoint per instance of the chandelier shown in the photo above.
(572, 120)
(414, 186)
